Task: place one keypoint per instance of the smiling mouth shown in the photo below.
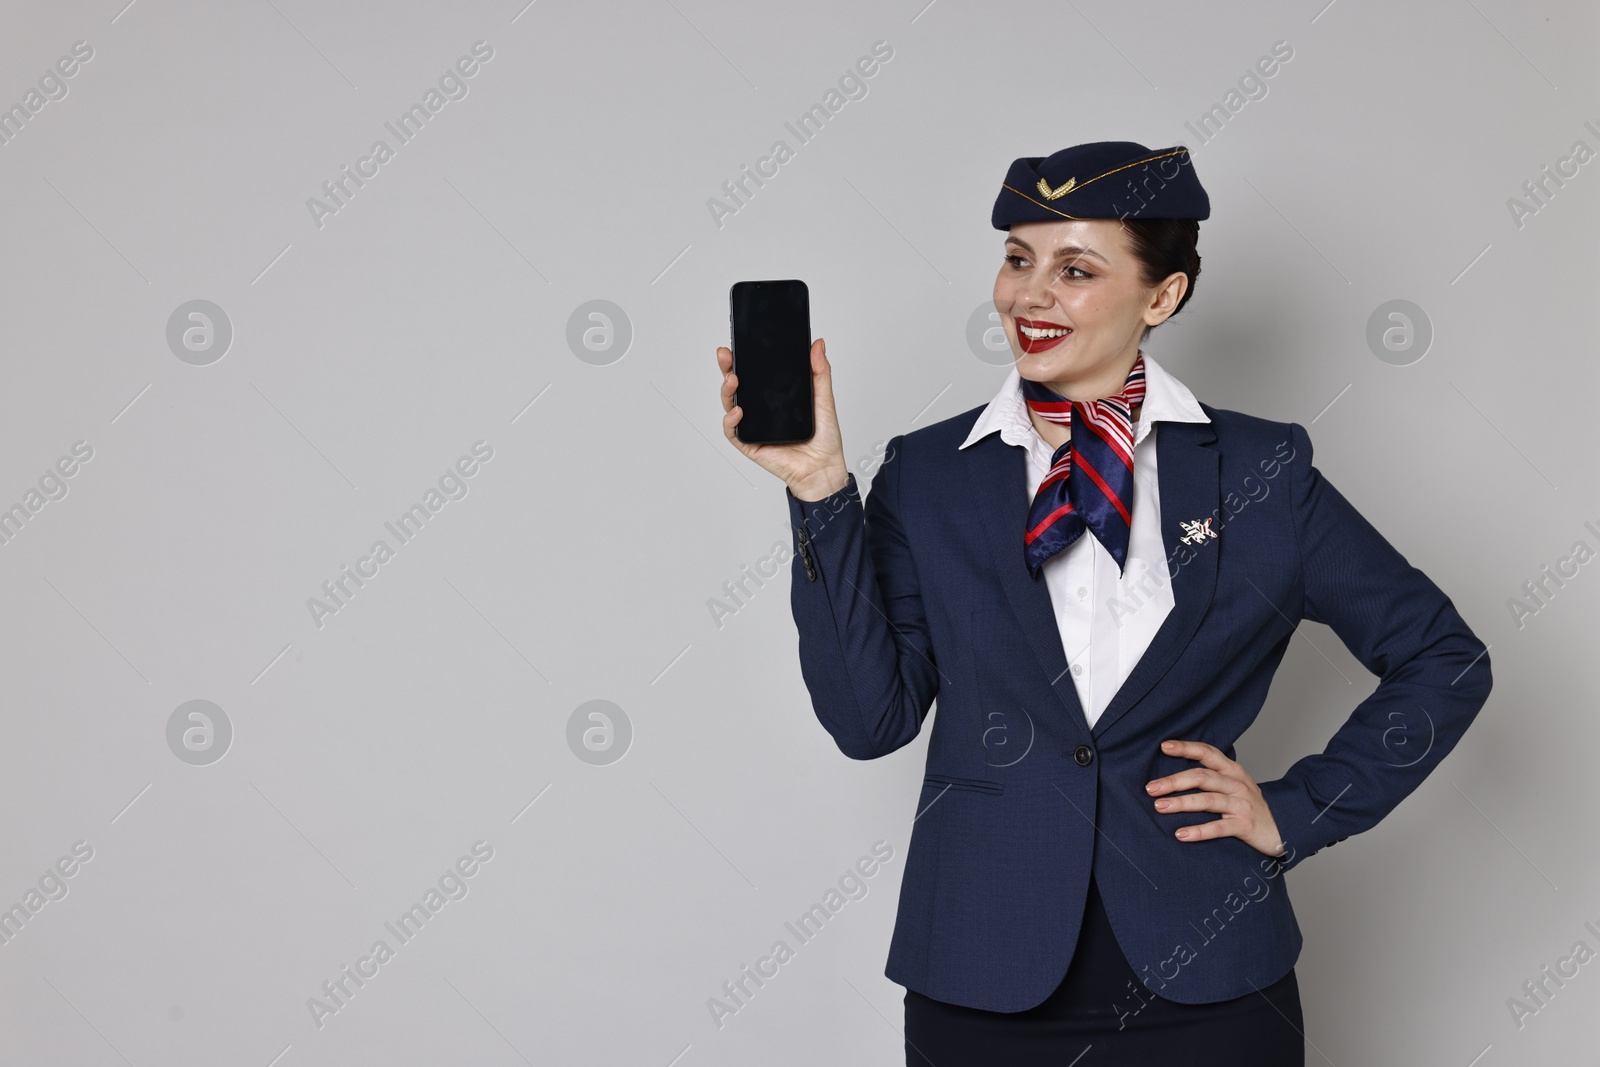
(1035, 336)
(1034, 333)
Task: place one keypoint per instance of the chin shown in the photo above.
(1044, 366)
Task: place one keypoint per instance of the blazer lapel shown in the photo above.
(1189, 475)
(999, 479)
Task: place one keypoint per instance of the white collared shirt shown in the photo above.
(1106, 619)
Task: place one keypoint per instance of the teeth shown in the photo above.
(1035, 335)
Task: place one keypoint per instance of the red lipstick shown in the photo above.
(1031, 345)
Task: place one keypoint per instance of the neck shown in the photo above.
(1055, 435)
(1104, 381)
(1103, 384)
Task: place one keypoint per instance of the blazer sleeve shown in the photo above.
(1433, 671)
(865, 653)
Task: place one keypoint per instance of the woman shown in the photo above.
(1091, 874)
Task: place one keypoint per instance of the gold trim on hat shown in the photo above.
(1072, 185)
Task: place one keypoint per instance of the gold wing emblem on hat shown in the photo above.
(1057, 193)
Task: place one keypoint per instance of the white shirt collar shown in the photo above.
(1166, 399)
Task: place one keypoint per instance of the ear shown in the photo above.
(1164, 298)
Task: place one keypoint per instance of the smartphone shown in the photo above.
(770, 326)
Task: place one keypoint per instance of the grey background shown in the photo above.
(429, 313)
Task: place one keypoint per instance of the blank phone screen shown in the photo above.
(772, 357)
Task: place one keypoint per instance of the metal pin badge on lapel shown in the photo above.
(1196, 531)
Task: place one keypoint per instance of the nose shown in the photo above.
(1035, 291)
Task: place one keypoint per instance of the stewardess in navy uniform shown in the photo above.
(1097, 575)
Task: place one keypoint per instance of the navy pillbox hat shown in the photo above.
(1102, 180)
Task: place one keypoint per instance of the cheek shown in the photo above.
(1096, 306)
(1082, 307)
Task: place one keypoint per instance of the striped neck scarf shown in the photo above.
(1099, 496)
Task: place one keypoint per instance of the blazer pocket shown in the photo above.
(977, 785)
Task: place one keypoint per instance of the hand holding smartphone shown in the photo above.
(777, 389)
(770, 325)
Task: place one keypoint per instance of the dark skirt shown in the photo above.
(1102, 1014)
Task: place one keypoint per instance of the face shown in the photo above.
(1075, 286)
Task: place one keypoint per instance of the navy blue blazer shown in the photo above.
(923, 592)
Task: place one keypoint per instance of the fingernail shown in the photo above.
(1161, 805)
(1183, 833)
(1150, 787)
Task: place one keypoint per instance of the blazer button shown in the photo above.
(805, 554)
(1083, 754)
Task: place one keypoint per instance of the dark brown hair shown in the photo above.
(1163, 247)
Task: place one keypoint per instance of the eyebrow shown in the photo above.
(1064, 252)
